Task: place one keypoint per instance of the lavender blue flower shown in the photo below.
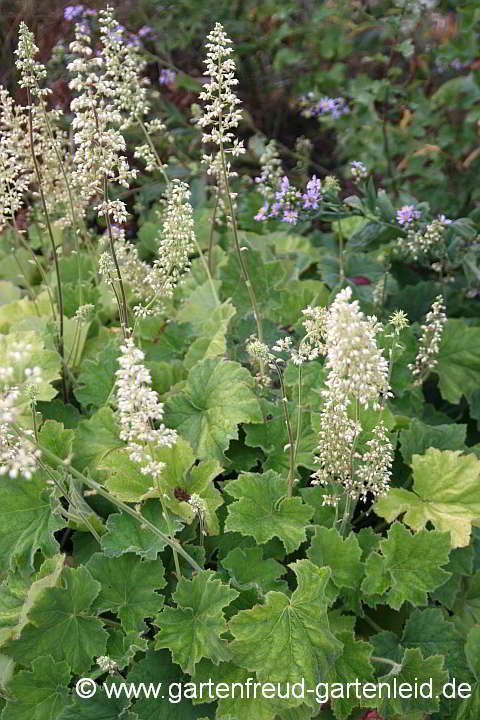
(325, 106)
(133, 40)
(73, 11)
(289, 202)
(290, 216)
(359, 170)
(262, 213)
(444, 220)
(145, 30)
(167, 77)
(407, 214)
(313, 194)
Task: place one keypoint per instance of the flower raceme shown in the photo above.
(151, 284)
(18, 384)
(221, 112)
(357, 368)
(140, 412)
(357, 377)
(50, 143)
(100, 146)
(429, 343)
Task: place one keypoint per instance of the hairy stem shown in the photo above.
(61, 348)
(211, 234)
(243, 265)
(123, 308)
(174, 544)
(291, 439)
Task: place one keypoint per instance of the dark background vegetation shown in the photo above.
(408, 71)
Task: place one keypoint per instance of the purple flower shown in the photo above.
(133, 40)
(73, 11)
(339, 107)
(325, 106)
(290, 216)
(117, 34)
(407, 214)
(145, 30)
(444, 220)
(167, 77)
(276, 207)
(359, 170)
(262, 213)
(83, 26)
(313, 194)
(90, 12)
(284, 185)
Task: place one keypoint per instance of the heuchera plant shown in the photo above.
(238, 427)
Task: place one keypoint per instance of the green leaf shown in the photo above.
(60, 624)
(414, 669)
(157, 667)
(128, 588)
(180, 477)
(266, 278)
(324, 514)
(248, 569)
(217, 397)
(200, 305)
(9, 292)
(387, 645)
(57, 410)
(445, 493)
(298, 294)
(408, 567)
(6, 672)
(264, 511)
(37, 356)
(472, 651)
(98, 707)
(212, 342)
(161, 342)
(26, 521)
(97, 377)
(124, 478)
(342, 556)
(54, 437)
(470, 708)
(193, 629)
(467, 606)
(419, 437)
(353, 663)
(125, 534)
(288, 638)
(18, 594)
(41, 694)
(166, 374)
(458, 360)
(272, 437)
(459, 565)
(95, 438)
(122, 647)
(236, 708)
(430, 631)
